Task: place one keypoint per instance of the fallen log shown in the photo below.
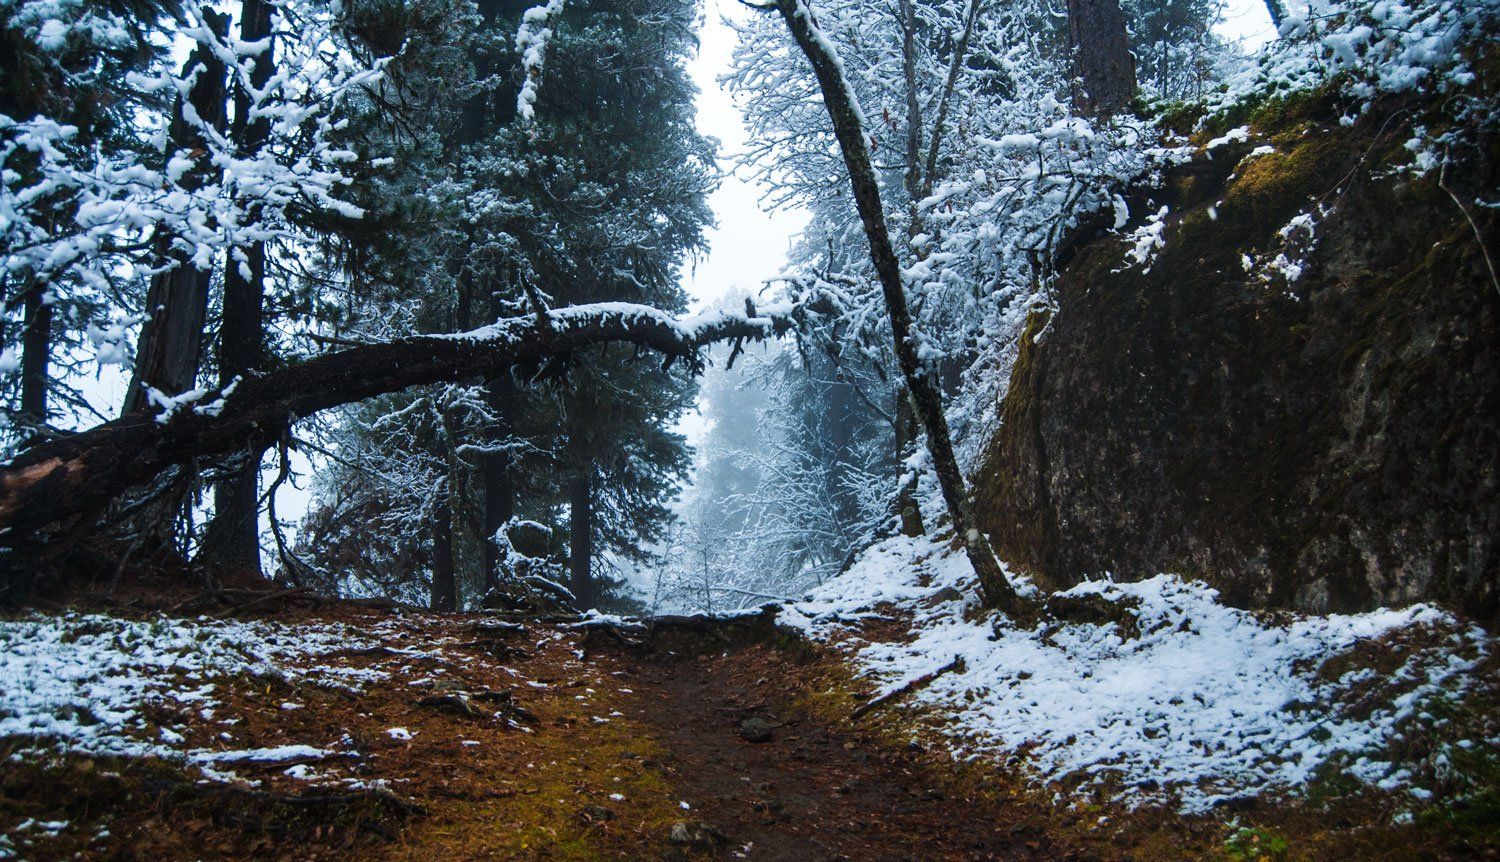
(74, 478)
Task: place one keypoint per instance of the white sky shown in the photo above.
(1247, 22)
(749, 246)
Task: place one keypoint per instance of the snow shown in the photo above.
(81, 682)
(1148, 239)
(271, 755)
(693, 329)
(1240, 134)
(1205, 703)
(531, 41)
(69, 218)
(1367, 48)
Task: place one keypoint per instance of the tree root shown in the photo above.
(252, 809)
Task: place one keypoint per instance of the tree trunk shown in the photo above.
(36, 354)
(1103, 67)
(171, 342)
(233, 539)
(444, 585)
(477, 118)
(581, 540)
(80, 474)
(906, 504)
(479, 112)
(1278, 13)
(906, 445)
(955, 66)
(913, 172)
(926, 399)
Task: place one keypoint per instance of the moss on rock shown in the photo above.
(1325, 441)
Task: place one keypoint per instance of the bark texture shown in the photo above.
(499, 489)
(581, 537)
(444, 596)
(1103, 67)
(36, 355)
(1277, 11)
(926, 399)
(171, 344)
(233, 539)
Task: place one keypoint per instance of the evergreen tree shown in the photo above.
(595, 191)
(74, 69)
(1177, 54)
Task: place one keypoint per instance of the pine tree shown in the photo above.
(70, 69)
(595, 192)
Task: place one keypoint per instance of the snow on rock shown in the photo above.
(1370, 47)
(1183, 700)
(80, 682)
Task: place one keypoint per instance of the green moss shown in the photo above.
(1473, 818)
(1267, 112)
(542, 815)
(1180, 118)
(1272, 188)
(1249, 844)
(1008, 478)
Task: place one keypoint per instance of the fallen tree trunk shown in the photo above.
(76, 477)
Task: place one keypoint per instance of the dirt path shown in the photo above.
(530, 744)
(446, 737)
(812, 791)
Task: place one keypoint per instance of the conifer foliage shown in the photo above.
(315, 176)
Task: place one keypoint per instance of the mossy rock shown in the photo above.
(1329, 442)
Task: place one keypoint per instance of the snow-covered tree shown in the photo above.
(536, 177)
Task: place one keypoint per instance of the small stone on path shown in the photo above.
(697, 835)
(755, 729)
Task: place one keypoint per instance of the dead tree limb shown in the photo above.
(920, 682)
(74, 478)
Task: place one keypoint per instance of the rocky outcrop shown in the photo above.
(1326, 440)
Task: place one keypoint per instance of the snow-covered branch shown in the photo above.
(79, 475)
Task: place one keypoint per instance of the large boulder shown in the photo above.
(1327, 440)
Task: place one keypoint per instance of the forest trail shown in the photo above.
(810, 790)
(414, 736)
(307, 730)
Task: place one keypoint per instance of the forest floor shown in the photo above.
(551, 742)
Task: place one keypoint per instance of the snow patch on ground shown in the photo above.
(81, 682)
(1172, 697)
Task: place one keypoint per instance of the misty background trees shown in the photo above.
(983, 171)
